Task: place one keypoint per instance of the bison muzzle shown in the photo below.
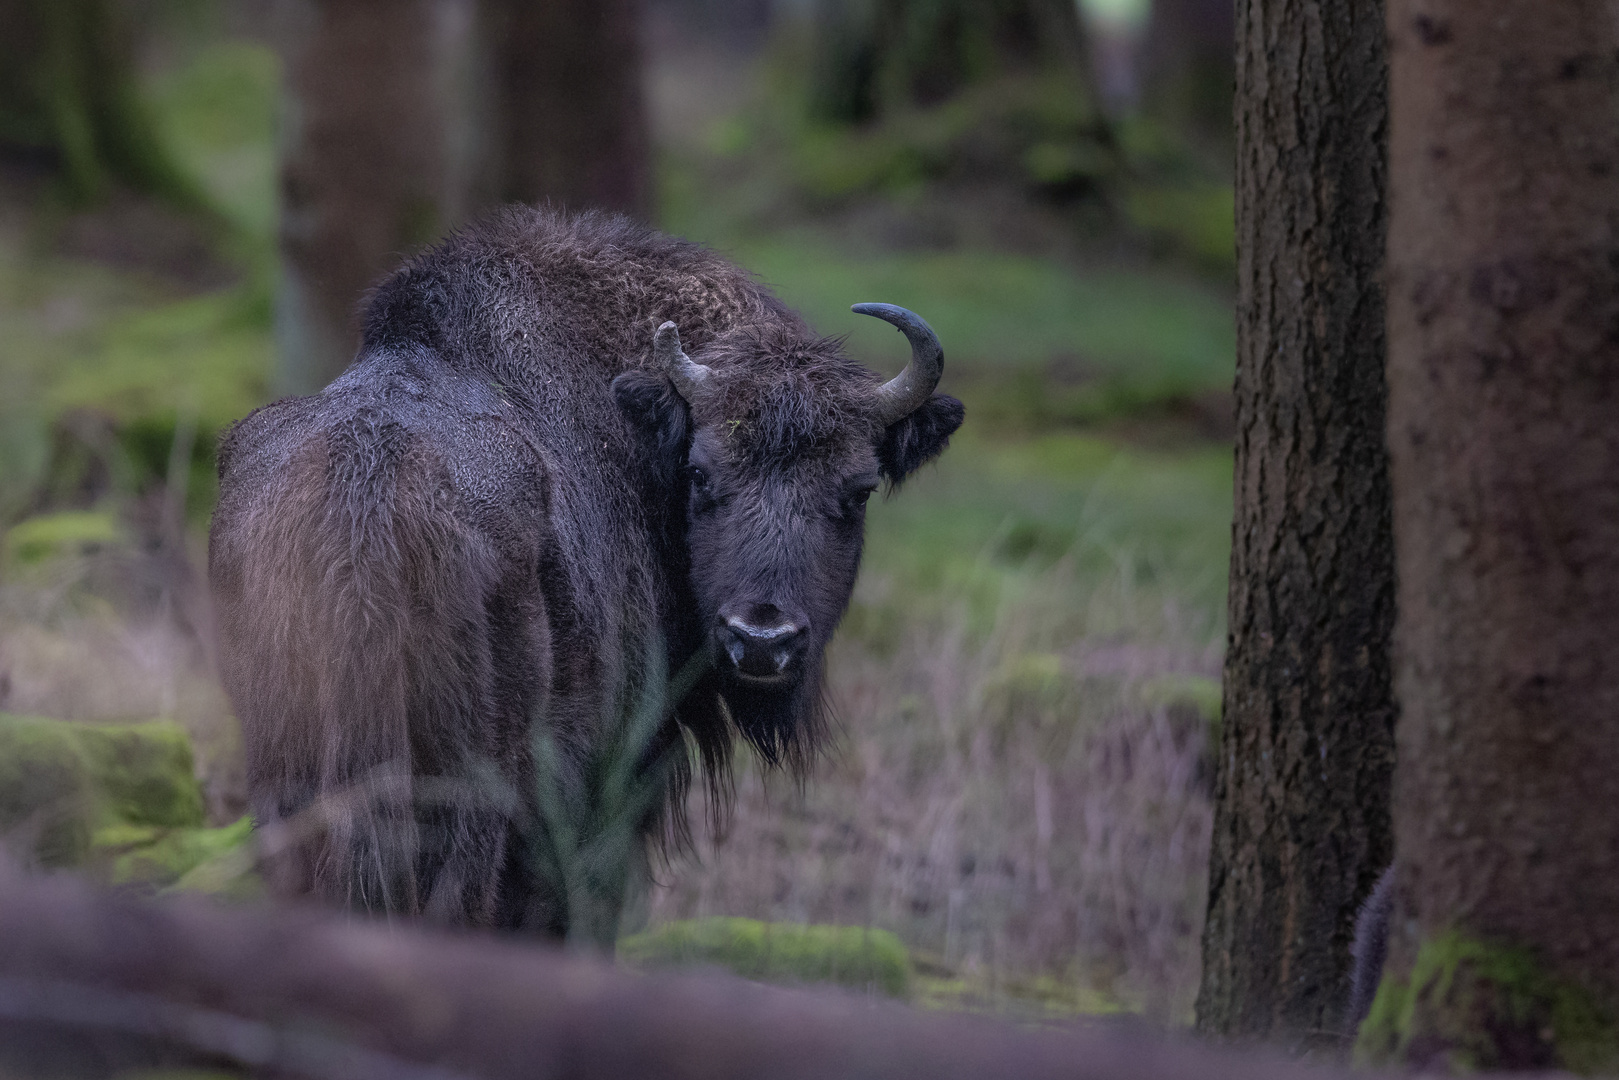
(571, 455)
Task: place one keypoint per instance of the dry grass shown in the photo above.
(1019, 789)
(121, 634)
(1028, 810)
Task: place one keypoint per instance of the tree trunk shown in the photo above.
(68, 100)
(364, 170)
(1504, 440)
(567, 117)
(1187, 63)
(1306, 753)
(394, 137)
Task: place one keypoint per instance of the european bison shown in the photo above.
(565, 443)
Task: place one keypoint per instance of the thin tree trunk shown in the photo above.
(1504, 439)
(1306, 753)
(567, 116)
(1187, 63)
(364, 171)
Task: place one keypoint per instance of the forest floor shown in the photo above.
(1025, 686)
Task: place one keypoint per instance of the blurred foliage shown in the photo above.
(858, 957)
(954, 110)
(70, 532)
(588, 845)
(1026, 121)
(69, 99)
(1198, 219)
(873, 57)
(978, 535)
(110, 368)
(118, 799)
(218, 113)
(61, 782)
(153, 857)
(998, 312)
(1035, 132)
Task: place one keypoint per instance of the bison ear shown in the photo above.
(657, 412)
(910, 443)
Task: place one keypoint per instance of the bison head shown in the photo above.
(769, 443)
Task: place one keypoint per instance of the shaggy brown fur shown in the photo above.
(496, 516)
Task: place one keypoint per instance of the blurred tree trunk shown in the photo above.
(1302, 817)
(1188, 64)
(68, 99)
(1504, 438)
(400, 121)
(567, 117)
(364, 168)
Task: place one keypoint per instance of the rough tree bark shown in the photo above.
(363, 168)
(567, 117)
(1504, 440)
(1306, 752)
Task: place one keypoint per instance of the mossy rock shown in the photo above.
(857, 957)
(62, 782)
(1472, 1006)
(71, 532)
(200, 859)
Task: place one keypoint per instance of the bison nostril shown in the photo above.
(761, 650)
(763, 634)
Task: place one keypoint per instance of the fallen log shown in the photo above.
(93, 984)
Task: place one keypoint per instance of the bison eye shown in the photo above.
(858, 492)
(697, 476)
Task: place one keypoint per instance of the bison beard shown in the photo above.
(566, 444)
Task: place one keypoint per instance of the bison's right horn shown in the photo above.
(690, 378)
(902, 395)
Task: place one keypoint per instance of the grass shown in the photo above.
(857, 957)
(1026, 685)
(997, 311)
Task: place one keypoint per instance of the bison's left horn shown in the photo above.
(904, 394)
(690, 378)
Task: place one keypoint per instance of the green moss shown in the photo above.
(62, 782)
(151, 856)
(1471, 1006)
(46, 805)
(71, 532)
(144, 773)
(1041, 998)
(852, 956)
(229, 865)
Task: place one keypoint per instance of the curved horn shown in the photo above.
(690, 379)
(904, 394)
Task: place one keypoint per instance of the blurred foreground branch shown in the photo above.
(91, 985)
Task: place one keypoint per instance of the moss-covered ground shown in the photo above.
(1472, 1006)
